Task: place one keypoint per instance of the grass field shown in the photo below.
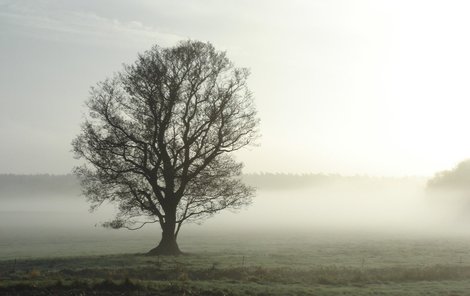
(396, 245)
(256, 264)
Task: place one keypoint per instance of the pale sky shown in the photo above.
(349, 87)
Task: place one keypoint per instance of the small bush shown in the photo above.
(34, 273)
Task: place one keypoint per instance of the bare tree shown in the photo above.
(158, 136)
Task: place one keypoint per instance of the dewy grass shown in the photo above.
(196, 288)
(322, 268)
(203, 269)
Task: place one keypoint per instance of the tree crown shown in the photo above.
(158, 136)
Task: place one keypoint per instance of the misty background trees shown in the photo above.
(20, 186)
(158, 136)
(455, 179)
(68, 185)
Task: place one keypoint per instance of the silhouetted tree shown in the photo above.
(456, 179)
(158, 137)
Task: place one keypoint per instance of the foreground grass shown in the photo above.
(224, 288)
(218, 274)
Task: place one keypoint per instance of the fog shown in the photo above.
(358, 204)
(60, 223)
(369, 87)
(354, 87)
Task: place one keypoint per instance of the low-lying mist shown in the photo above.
(378, 205)
(283, 204)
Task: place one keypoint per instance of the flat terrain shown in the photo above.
(255, 264)
(345, 237)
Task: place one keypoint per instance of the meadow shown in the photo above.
(255, 264)
(347, 237)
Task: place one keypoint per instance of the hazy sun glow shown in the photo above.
(377, 87)
(349, 87)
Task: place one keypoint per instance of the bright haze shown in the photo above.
(348, 87)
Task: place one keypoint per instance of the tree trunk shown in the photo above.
(168, 244)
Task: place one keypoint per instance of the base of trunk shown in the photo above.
(166, 247)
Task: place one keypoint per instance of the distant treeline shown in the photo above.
(283, 181)
(38, 185)
(41, 185)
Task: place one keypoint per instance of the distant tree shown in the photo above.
(158, 137)
(456, 179)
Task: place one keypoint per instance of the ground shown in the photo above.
(260, 266)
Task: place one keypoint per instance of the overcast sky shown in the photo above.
(350, 87)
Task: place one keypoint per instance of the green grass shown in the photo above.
(142, 288)
(255, 266)
(199, 274)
